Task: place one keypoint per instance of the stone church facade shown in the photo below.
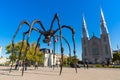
(94, 49)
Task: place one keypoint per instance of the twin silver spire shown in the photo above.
(103, 27)
(84, 28)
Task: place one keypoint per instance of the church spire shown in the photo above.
(84, 29)
(103, 26)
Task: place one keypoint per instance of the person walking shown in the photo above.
(26, 65)
(87, 64)
(16, 65)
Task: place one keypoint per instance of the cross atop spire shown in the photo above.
(103, 26)
(84, 29)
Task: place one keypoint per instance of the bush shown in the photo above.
(7, 63)
(98, 65)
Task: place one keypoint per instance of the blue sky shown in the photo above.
(12, 12)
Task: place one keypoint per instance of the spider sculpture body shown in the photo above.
(48, 35)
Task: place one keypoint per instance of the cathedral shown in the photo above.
(96, 50)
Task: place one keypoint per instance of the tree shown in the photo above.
(116, 57)
(17, 48)
(30, 57)
(72, 59)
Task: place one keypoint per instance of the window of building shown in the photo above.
(85, 52)
(106, 49)
(104, 39)
(95, 51)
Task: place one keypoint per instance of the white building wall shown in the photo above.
(46, 56)
(48, 59)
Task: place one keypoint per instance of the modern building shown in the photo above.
(94, 49)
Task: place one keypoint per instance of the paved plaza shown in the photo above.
(67, 74)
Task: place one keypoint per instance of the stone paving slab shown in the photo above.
(67, 74)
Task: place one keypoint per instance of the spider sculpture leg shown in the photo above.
(11, 57)
(53, 52)
(62, 51)
(14, 36)
(30, 30)
(24, 58)
(37, 46)
(67, 44)
(24, 34)
(74, 51)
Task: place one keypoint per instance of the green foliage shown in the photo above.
(113, 66)
(98, 65)
(7, 63)
(9, 49)
(30, 53)
(72, 59)
(116, 57)
(68, 60)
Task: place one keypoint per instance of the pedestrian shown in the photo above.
(36, 65)
(26, 65)
(103, 64)
(16, 65)
(84, 65)
(87, 64)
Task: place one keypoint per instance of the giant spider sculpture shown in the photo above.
(48, 35)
